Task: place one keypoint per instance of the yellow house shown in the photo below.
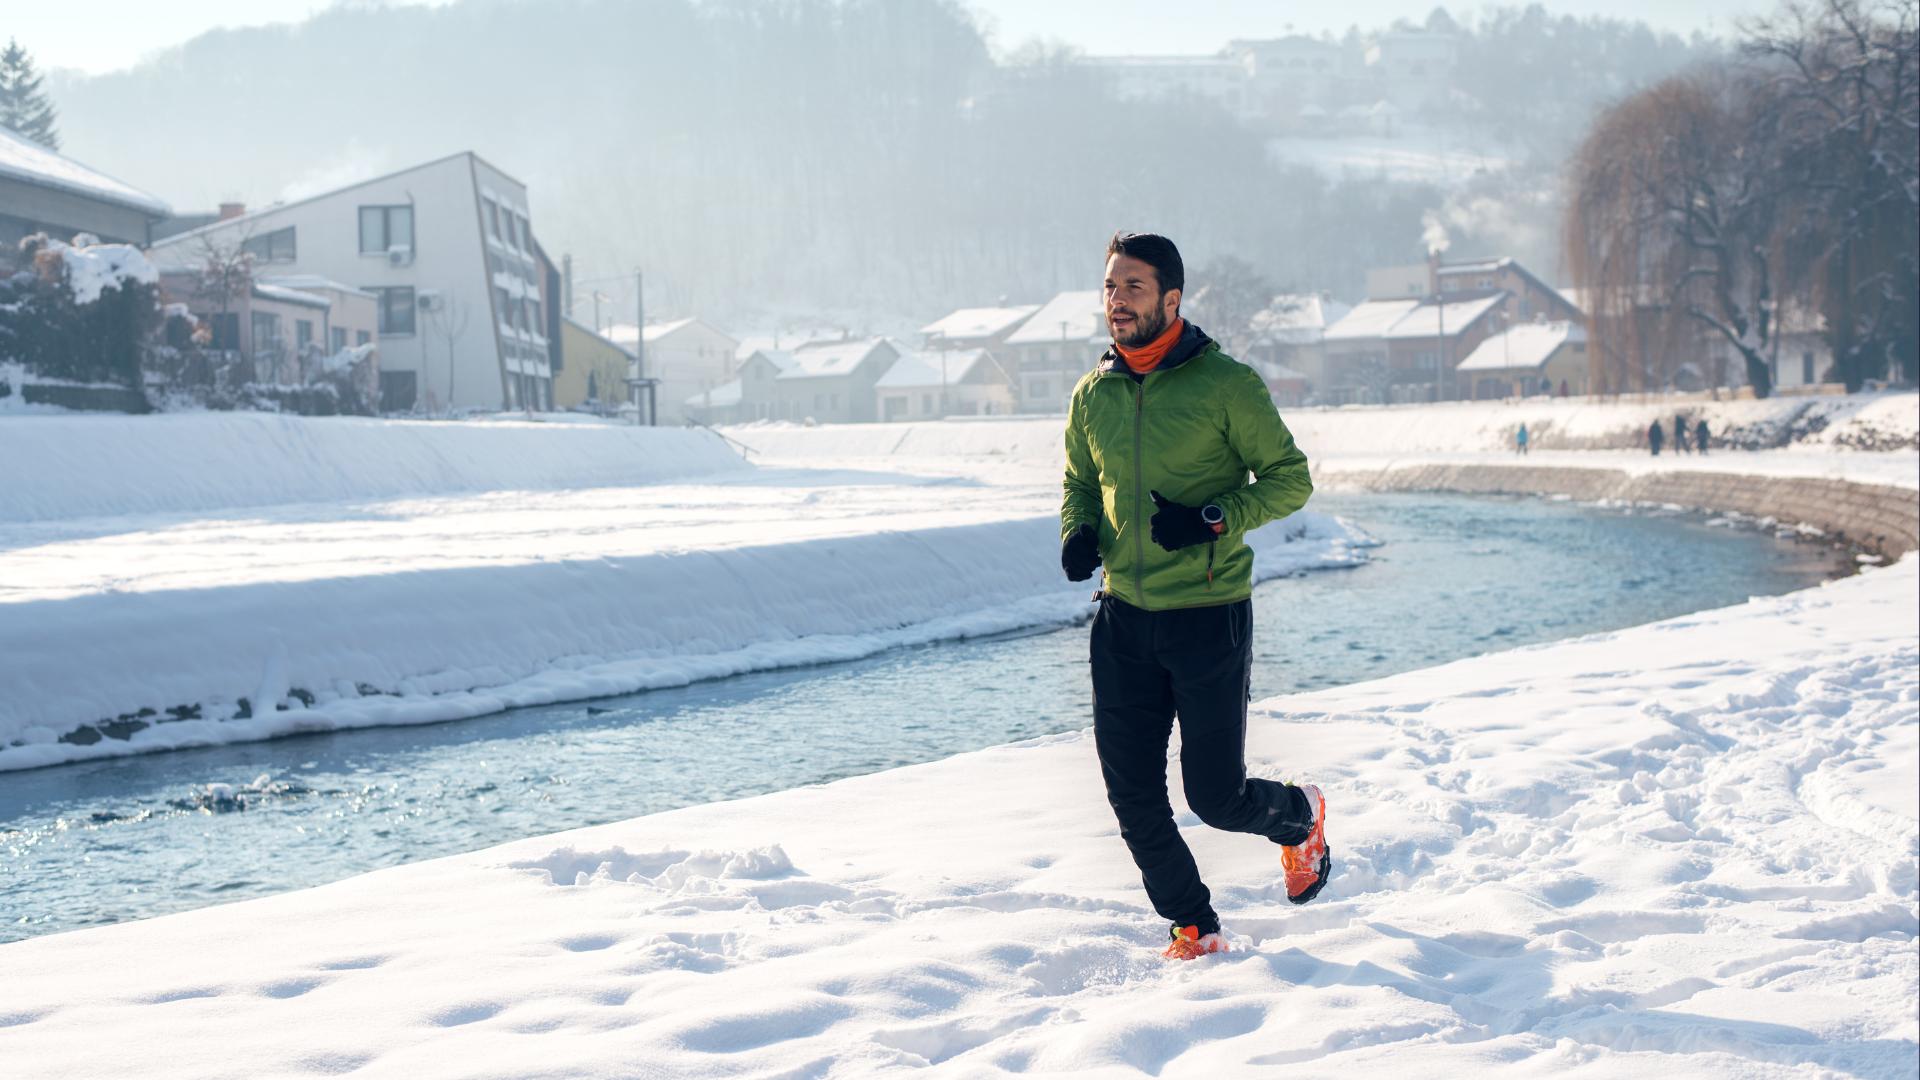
(592, 371)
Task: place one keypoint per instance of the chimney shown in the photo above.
(231, 210)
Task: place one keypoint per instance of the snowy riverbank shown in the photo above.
(1686, 849)
(139, 632)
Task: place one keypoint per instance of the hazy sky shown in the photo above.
(103, 35)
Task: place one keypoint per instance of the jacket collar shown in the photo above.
(1193, 341)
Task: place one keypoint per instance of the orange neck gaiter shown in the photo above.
(1147, 357)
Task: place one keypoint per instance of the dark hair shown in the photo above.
(1156, 251)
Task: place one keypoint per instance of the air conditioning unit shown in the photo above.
(428, 300)
(399, 255)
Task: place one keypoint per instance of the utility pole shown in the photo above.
(640, 347)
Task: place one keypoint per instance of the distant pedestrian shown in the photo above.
(1680, 430)
(1520, 440)
(1655, 437)
(1700, 435)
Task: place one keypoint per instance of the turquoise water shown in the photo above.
(107, 841)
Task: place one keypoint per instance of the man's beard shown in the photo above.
(1147, 325)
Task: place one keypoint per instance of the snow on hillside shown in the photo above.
(1684, 849)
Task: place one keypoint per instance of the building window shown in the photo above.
(303, 334)
(398, 391)
(505, 303)
(266, 332)
(526, 232)
(513, 234)
(383, 228)
(1806, 368)
(273, 247)
(337, 338)
(396, 309)
(493, 217)
(226, 330)
(362, 337)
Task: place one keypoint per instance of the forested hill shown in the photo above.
(864, 155)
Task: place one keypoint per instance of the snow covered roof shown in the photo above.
(289, 296)
(23, 159)
(781, 359)
(1453, 316)
(1075, 315)
(979, 322)
(754, 343)
(276, 208)
(1298, 319)
(657, 331)
(822, 360)
(315, 281)
(924, 369)
(1371, 319)
(590, 331)
(1523, 347)
(1504, 262)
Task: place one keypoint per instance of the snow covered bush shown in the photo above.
(81, 313)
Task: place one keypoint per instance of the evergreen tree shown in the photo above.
(24, 107)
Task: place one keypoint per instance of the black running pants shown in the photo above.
(1194, 664)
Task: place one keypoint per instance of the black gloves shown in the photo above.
(1080, 553)
(1175, 526)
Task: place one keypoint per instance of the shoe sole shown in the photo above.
(1326, 870)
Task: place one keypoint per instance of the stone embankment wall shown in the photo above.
(1878, 518)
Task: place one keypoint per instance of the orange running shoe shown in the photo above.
(1190, 944)
(1308, 864)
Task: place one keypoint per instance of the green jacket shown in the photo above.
(1191, 429)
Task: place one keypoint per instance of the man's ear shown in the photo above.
(1174, 296)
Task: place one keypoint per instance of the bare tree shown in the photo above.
(1843, 81)
(449, 318)
(1232, 294)
(1671, 217)
(226, 269)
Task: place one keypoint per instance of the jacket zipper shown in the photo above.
(1139, 482)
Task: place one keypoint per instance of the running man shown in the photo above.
(1161, 437)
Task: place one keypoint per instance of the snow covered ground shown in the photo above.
(1686, 848)
(1683, 849)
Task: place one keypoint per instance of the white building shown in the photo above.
(447, 248)
(1226, 81)
(1289, 337)
(1056, 345)
(922, 386)
(975, 327)
(824, 382)
(691, 357)
(1413, 69)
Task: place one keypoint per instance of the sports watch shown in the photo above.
(1214, 516)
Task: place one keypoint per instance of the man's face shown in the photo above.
(1137, 311)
